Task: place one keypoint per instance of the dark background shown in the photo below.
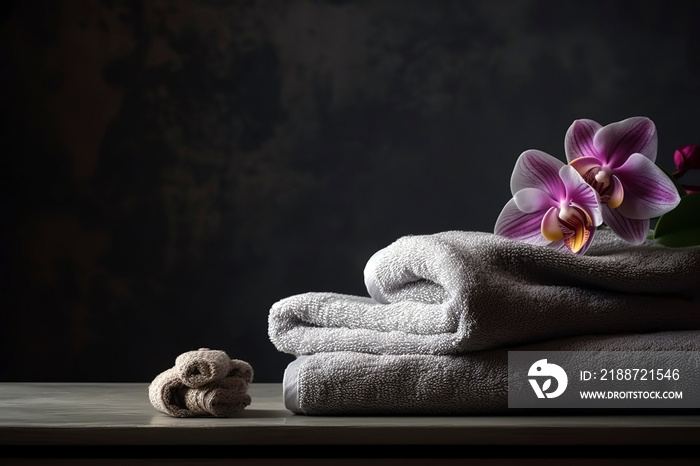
(171, 169)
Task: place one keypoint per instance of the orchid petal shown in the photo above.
(550, 225)
(590, 233)
(631, 230)
(584, 164)
(581, 237)
(649, 192)
(617, 141)
(558, 246)
(578, 142)
(581, 193)
(618, 193)
(537, 169)
(577, 226)
(531, 200)
(514, 224)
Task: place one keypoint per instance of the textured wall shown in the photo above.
(172, 168)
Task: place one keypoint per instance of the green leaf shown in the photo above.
(681, 226)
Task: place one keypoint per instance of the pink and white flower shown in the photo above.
(617, 160)
(552, 205)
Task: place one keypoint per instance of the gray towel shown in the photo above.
(457, 291)
(350, 383)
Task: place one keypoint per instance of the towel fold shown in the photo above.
(352, 383)
(199, 367)
(222, 398)
(456, 292)
(202, 383)
(204, 365)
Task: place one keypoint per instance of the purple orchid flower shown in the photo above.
(617, 160)
(686, 158)
(552, 205)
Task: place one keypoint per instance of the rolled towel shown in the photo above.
(167, 394)
(196, 368)
(240, 369)
(199, 367)
(204, 382)
(221, 398)
(458, 291)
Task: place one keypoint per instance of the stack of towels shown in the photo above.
(432, 337)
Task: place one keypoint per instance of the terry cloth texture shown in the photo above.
(352, 383)
(199, 367)
(456, 292)
(204, 382)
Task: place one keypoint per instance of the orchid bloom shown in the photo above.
(552, 205)
(686, 158)
(617, 160)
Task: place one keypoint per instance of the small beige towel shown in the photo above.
(204, 382)
(197, 368)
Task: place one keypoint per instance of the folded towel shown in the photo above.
(350, 383)
(202, 383)
(455, 291)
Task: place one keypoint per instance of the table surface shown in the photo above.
(77, 423)
(121, 414)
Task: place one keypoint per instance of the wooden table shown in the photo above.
(43, 422)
